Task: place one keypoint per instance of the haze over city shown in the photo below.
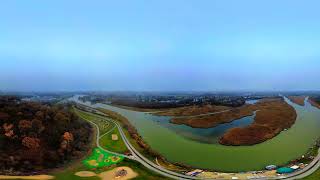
(159, 45)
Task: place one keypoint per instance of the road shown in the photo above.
(98, 138)
(307, 171)
(137, 156)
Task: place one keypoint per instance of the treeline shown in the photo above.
(234, 102)
(316, 99)
(35, 137)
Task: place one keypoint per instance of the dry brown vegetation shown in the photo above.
(192, 110)
(213, 120)
(297, 99)
(273, 116)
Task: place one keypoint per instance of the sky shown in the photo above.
(164, 45)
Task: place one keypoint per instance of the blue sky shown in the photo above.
(159, 45)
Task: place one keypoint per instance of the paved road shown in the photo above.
(307, 171)
(311, 168)
(136, 155)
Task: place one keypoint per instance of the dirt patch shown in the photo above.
(85, 174)
(37, 177)
(113, 174)
(298, 99)
(119, 173)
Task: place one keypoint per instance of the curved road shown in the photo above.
(135, 154)
(311, 168)
(98, 138)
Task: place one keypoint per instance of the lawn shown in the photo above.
(103, 124)
(314, 176)
(111, 145)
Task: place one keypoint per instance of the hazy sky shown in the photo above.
(160, 45)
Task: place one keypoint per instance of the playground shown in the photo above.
(100, 158)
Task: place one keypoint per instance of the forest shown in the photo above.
(37, 137)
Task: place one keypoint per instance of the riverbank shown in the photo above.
(314, 103)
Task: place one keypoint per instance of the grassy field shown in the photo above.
(107, 143)
(314, 176)
(111, 145)
(106, 131)
(104, 125)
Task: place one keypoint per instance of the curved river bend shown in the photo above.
(175, 147)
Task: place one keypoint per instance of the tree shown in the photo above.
(31, 143)
(25, 125)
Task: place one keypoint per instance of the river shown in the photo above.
(184, 145)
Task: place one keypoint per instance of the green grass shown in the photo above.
(100, 159)
(314, 176)
(114, 146)
(104, 125)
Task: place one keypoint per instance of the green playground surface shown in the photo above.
(100, 158)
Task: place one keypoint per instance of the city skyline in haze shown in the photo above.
(160, 45)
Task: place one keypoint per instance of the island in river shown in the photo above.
(298, 99)
(272, 117)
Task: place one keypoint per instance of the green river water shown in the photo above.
(287, 146)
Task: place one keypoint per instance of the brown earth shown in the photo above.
(297, 99)
(191, 110)
(35, 177)
(109, 175)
